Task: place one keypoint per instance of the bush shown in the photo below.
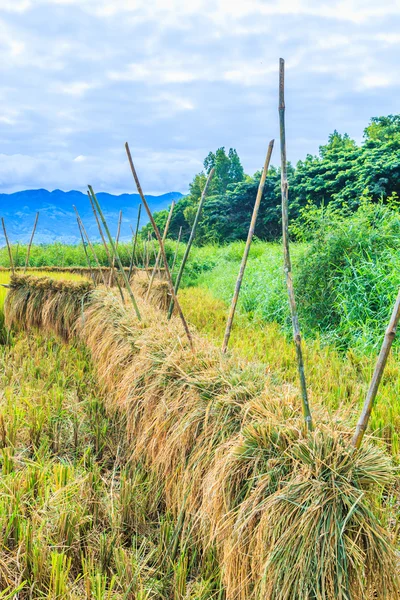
(348, 277)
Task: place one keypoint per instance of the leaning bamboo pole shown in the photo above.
(85, 250)
(10, 256)
(158, 258)
(176, 250)
(250, 235)
(287, 261)
(105, 244)
(90, 245)
(134, 243)
(115, 253)
(158, 236)
(377, 374)
(28, 253)
(190, 242)
(116, 244)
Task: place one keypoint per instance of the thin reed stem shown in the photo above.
(30, 243)
(164, 237)
(10, 256)
(90, 245)
(158, 236)
(105, 245)
(115, 253)
(134, 243)
(190, 242)
(377, 374)
(247, 249)
(286, 252)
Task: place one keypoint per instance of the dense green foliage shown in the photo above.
(346, 272)
(342, 173)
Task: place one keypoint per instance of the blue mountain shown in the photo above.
(57, 221)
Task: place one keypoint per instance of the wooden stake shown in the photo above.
(105, 245)
(85, 250)
(115, 253)
(116, 244)
(165, 233)
(8, 246)
(190, 242)
(176, 250)
(30, 243)
(158, 236)
(377, 375)
(90, 245)
(134, 243)
(247, 248)
(285, 238)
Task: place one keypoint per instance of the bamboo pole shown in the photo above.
(377, 375)
(285, 239)
(85, 250)
(90, 244)
(28, 253)
(247, 249)
(134, 243)
(8, 246)
(115, 253)
(158, 236)
(116, 244)
(164, 237)
(190, 242)
(105, 244)
(176, 250)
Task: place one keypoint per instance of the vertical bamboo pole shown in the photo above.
(247, 249)
(105, 244)
(377, 375)
(158, 236)
(134, 243)
(28, 253)
(90, 245)
(116, 244)
(8, 246)
(115, 253)
(285, 238)
(86, 252)
(164, 237)
(176, 250)
(190, 242)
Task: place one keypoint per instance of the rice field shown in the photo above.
(236, 497)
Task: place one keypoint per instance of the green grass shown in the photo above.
(78, 520)
(337, 380)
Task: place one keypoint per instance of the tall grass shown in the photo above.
(339, 380)
(225, 445)
(79, 520)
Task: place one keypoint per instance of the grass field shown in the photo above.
(77, 518)
(337, 380)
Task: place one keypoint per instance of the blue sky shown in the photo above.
(177, 79)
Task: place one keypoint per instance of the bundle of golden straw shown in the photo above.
(290, 514)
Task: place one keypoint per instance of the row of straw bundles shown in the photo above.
(292, 516)
(94, 273)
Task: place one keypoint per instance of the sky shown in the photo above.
(177, 79)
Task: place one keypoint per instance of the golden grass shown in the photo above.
(291, 516)
(337, 380)
(159, 296)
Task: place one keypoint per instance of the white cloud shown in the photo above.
(181, 78)
(74, 88)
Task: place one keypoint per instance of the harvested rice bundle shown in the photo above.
(291, 516)
(53, 305)
(159, 294)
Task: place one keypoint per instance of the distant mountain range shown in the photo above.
(57, 220)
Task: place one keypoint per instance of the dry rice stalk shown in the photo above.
(291, 515)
